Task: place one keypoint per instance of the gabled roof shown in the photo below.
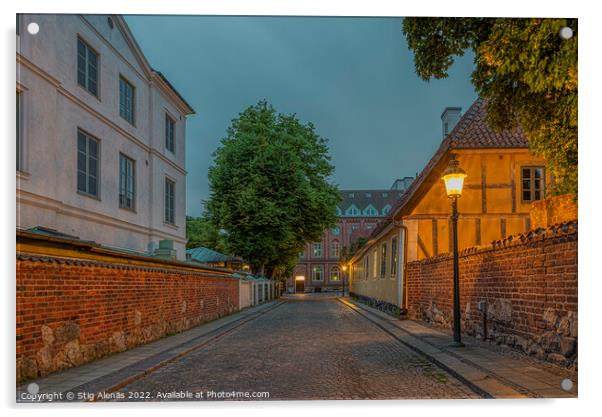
(205, 255)
(364, 198)
(150, 72)
(471, 132)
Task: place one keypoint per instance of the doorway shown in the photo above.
(299, 284)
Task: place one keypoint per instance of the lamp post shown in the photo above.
(453, 177)
(343, 268)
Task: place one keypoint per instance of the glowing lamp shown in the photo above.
(453, 177)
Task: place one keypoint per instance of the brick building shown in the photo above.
(359, 212)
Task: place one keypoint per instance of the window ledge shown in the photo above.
(170, 225)
(93, 197)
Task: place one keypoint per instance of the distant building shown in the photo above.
(209, 257)
(358, 215)
(100, 135)
(504, 178)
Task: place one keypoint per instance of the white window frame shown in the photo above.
(170, 129)
(124, 186)
(127, 113)
(167, 219)
(86, 85)
(318, 246)
(88, 137)
(314, 269)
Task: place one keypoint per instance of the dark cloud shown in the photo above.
(352, 77)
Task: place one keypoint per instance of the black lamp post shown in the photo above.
(454, 181)
(344, 269)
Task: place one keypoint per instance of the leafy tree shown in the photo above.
(349, 251)
(270, 188)
(525, 69)
(201, 232)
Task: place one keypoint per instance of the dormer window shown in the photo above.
(370, 211)
(352, 210)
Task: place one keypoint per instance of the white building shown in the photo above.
(100, 135)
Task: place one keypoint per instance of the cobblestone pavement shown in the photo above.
(311, 348)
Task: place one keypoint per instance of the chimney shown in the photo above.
(449, 118)
(165, 250)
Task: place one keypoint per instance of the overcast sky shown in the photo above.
(352, 77)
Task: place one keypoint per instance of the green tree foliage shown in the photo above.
(270, 189)
(349, 251)
(525, 69)
(201, 232)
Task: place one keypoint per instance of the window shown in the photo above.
(385, 195)
(335, 275)
(170, 197)
(370, 211)
(126, 100)
(19, 131)
(334, 249)
(127, 182)
(302, 254)
(351, 195)
(374, 264)
(335, 231)
(352, 211)
(317, 274)
(87, 164)
(87, 67)
(383, 260)
(368, 195)
(393, 256)
(366, 266)
(386, 209)
(317, 250)
(170, 126)
(532, 179)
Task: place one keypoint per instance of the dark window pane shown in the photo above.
(526, 173)
(526, 195)
(93, 148)
(92, 168)
(537, 195)
(81, 181)
(81, 142)
(81, 161)
(92, 185)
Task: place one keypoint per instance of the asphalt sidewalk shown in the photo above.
(487, 370)
(113, 372)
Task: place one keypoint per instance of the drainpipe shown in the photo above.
(402, 265)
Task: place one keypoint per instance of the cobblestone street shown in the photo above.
(311, 347)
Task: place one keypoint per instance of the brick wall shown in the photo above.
(528, 284)
(74, 311)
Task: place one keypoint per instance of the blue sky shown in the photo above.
(353, 78)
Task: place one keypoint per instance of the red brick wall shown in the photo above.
(529, 284)
(72, 312)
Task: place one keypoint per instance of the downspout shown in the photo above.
(405, 273)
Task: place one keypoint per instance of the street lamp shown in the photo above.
(453, 177)
(343, 269)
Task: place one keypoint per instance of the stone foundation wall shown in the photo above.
(520, 292)
(381, 305)
(70, 312)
